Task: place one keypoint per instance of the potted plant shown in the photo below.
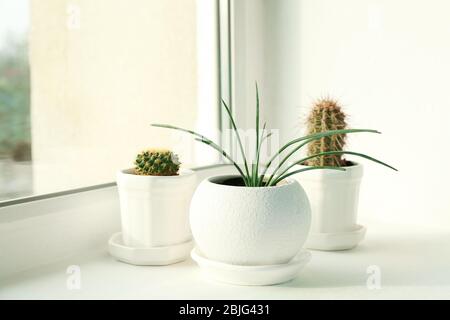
(154, 204)
(253, 218)
(333, 194)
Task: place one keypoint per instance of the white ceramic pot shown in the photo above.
(249, 226)
(155, 209)
(334, 199)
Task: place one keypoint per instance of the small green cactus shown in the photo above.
(326, 115)
(157, 162)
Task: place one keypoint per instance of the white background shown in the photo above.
(387, 62)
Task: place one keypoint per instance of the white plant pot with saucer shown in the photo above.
(250, 235)
(334, 199)
(154, 216)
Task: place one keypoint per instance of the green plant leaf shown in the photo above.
(255, 169)
(238, 137)
(280, 165)
(313, 137)
(257, 182)
(281, 178)
(261, 177)
(326, 153)
(253, 178)
(206, 141)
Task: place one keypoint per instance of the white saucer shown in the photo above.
(336, 241)
(251, 275)
(148, 256)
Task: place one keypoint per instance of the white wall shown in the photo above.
(388, 63)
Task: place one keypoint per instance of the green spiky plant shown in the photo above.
(326, 115)
(157, 162)
(251, 176)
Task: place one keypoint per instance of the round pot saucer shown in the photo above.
(336, 241)
(148, 256)
(251, 275)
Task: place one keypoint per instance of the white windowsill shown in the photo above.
(36, 250)
(412, 266)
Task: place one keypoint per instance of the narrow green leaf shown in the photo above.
(258, 153)
(335, 152)
(281, 178)
(313, 137)
(233, 123)
(206, 141)
(255, 171)
(280, 165)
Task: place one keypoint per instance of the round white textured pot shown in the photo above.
(249, 226)
(334, 199)
(155, 209)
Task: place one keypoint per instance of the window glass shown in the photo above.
(101, 73)
(15, 134)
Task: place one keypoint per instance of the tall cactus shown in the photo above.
(326, 115)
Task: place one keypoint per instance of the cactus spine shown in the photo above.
(157, 162)
(326, 115)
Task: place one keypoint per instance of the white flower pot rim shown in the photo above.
(287, 182)
(353, 172)
(354, 165)
(181, 173)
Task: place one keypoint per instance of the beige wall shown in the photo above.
(100, 77)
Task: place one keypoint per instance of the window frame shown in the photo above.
(221, 11)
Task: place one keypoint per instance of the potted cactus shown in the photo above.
(333, 194)
(154, 203)
(259, 217)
